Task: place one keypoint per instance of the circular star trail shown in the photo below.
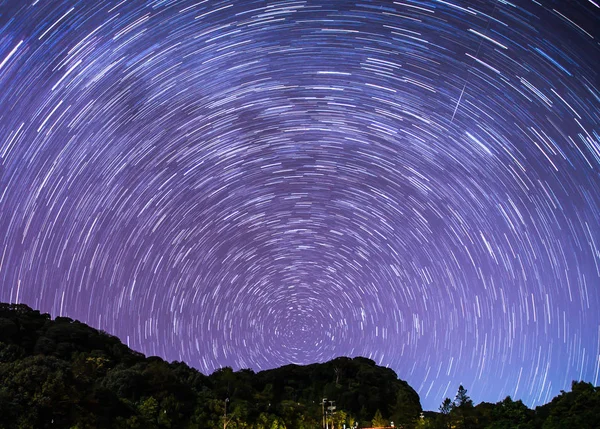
(258, 183)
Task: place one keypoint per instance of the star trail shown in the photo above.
(254, 183)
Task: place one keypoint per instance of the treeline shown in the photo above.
(64, 374)
(579, 408)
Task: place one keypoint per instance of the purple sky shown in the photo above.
(260, 183)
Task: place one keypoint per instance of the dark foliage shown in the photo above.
(64, 374)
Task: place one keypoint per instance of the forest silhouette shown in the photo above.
(62, 373)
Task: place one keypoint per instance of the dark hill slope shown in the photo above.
(64, 374)
(357, 385)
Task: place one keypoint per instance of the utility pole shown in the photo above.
(331, 410)
(323, 404)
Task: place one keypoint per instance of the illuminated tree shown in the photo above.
(378, 420)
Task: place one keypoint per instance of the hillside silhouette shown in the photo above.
(62, 373)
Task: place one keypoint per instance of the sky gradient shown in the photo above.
(251, 183)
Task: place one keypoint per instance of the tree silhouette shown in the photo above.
(63, 373)
(462, 410)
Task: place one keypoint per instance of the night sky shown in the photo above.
(252, 184)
